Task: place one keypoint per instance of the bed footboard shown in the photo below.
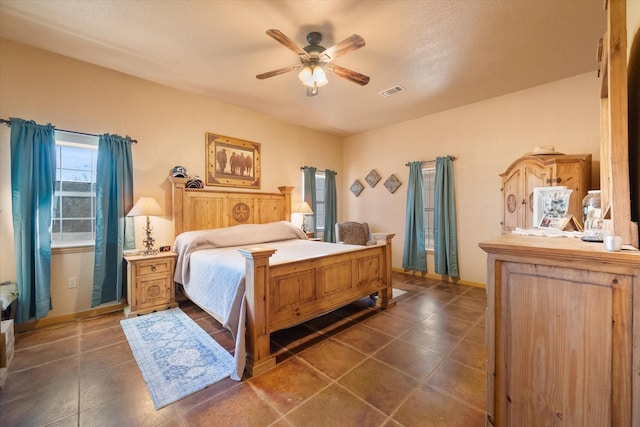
(288, 294)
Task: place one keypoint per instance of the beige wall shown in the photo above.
(633, 22)
(169, 125)
(485, 137)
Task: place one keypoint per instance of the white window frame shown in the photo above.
(86, 142)
(319, 209)
(428, 182)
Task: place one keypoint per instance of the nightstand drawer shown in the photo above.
(157, 266)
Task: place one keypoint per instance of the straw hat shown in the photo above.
(543, 150)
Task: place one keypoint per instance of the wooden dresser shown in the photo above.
(518, 181)
(561, 345)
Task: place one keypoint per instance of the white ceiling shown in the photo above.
(444, 53)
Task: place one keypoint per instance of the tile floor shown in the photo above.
(420, 363)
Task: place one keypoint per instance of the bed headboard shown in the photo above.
(203, 208)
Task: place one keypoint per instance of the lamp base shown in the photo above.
(148, 241)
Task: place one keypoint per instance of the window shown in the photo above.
(74, 202)
(428, 179)
(320, 202)
(319, 209)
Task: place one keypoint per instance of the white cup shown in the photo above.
(612, 243)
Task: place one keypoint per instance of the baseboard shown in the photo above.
(440, 277)
(49, 321)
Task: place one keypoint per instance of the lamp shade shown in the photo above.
(319, 76)
(146, 206)
(303, 208)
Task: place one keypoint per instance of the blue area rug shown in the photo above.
(175, 355)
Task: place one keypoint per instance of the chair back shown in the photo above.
(354, 233)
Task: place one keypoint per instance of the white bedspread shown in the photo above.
(212, 274)
(238, 235)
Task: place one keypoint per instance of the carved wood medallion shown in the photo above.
(153, 291)
(241, 212)
(511, 203)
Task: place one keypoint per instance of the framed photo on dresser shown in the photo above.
(551, 206)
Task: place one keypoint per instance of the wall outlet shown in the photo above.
(72, 282)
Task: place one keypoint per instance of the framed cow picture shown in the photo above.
(232, 162)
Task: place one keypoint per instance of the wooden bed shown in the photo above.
(287, 294)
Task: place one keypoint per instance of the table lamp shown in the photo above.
(304, 209)
(146, 206)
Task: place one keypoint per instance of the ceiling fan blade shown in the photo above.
(278, 71)
(287, 42)
(347, 45)
(345, 73)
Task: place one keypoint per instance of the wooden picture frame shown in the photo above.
(232, 162)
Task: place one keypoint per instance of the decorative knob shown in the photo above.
(153, 268)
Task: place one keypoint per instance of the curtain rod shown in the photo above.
(430, 161)
(302, 167)
(7, 122)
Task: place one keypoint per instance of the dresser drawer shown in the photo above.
(154, 266)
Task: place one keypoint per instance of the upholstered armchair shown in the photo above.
(354, 233)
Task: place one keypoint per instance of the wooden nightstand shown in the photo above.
(150, 285)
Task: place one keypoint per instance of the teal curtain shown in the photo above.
(114, 230)
(309, 196)
(414, 256)
(445, 230)
(331, 206)
(33, 175)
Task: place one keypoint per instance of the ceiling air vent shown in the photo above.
(391, 91)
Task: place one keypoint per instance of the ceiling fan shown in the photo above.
(315, 60)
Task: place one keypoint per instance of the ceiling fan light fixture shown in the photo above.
(313, 76)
